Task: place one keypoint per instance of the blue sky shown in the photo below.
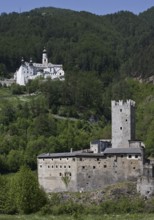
(99, 7)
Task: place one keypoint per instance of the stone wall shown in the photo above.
(123, 123)
(87, 173)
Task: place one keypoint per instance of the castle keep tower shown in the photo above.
(123, 123)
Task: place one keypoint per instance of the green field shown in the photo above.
(82, 217)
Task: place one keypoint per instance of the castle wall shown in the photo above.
(95, 173)
(87, 173)
(123, 123)
(52, 173)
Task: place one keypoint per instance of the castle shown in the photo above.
(104, 163)
(29, 71)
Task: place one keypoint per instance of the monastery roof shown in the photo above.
(123, 151)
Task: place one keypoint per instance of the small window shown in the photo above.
(126, 119)
(69, 166)
(83, 167)
(48, 166)
(120, 128)
(60, 174)
(73, 159)
(120, 110)
(94, 167)
(60, 158)
(41, 166)
(122, 156)
(64, 166)
(97, 159)
(134, 168)
(70, 174)
(80, 159)
(130, 156)
(105, 166)
(52, 166)
(60, 166)
(136, 156)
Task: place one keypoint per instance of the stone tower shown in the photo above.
(123, 123)
(44, 57)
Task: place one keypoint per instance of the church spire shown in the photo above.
(44, 57)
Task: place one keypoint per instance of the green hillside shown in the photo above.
(102, 57)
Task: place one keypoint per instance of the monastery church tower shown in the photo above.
(44, 57)
(123, 123)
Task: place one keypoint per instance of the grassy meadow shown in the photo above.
(79, 217)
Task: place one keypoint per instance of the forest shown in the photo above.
(104, 58)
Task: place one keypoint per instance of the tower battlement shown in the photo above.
(123, 103)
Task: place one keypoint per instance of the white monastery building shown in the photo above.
(29, 71)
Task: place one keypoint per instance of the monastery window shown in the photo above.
(70, 174)
(60, 174)
(52, 166)
(48, 166)
(80, 159)
(122, 156)
(73, 159)
(134, 168)
(97, 159)
(83, 167)
(60, 158)
(69, 166)
(40, 166)
(126, 119)
(130, 156)
(120, 110)
(64, 166)
(105, 166)
(60, 166)
(94, 167)
(120, 128)
(56, 166)
(136, 156)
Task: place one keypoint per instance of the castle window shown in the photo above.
(48, 166)
(94, 167)
(136, 156)
(60, 174)
(60, 158)
(97, 159)
(83, 167)
(120, 128)
(60, 166)
(122, 156)
(64, 166)
(69, 166)
(134, 168)
(130, 156)
(105, 166)
(73, 159)
(56, 166)
(40, 166)
(80, 159)
(52, 166)
(126, 119)
(120, 110)
(70, 174)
